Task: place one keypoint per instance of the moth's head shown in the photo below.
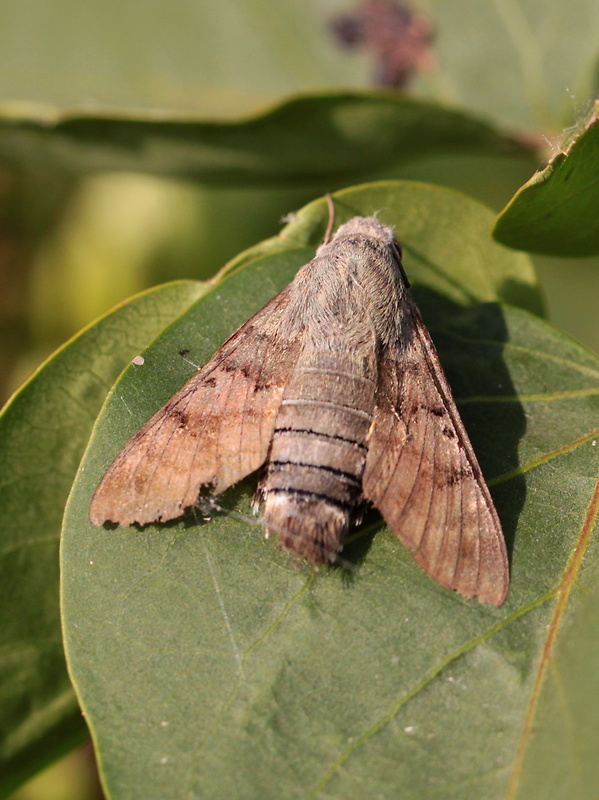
(366, 226)
(371, 228)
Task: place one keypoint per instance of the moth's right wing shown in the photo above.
(216, 430)
(423, 476)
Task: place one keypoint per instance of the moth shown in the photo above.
(333, 390)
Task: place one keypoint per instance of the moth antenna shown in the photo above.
(397, 248)
(331, 207)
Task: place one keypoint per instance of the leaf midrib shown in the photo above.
(563, 595)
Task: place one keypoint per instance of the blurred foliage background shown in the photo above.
(78, 234)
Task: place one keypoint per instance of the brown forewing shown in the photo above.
(423, 476)
(215, 430)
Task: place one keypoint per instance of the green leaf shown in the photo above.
(220, 60)
(209, 666)
(557, 211)
(43, 433)
(528, 66)
(300, 141)
(567, 706)
(521, 65)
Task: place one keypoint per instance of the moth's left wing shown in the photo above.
(422, 474)
(214, 431)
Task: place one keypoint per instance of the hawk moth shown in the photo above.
(335, 391)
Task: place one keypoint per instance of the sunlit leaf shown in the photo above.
(557, 211)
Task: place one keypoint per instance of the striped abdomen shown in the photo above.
(313, 483)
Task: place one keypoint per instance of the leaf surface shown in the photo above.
(43, 433)
(557, 211)
(520, 68)
(297, 142)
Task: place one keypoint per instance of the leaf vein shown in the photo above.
(528, 398)
(418, 687)
(563, 595)
(537, 462)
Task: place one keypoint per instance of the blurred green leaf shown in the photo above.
(43, 432)
(301, 141)
(527, 64)
(209, 666)
(513, 62)
(557, 211)
(219, 59)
